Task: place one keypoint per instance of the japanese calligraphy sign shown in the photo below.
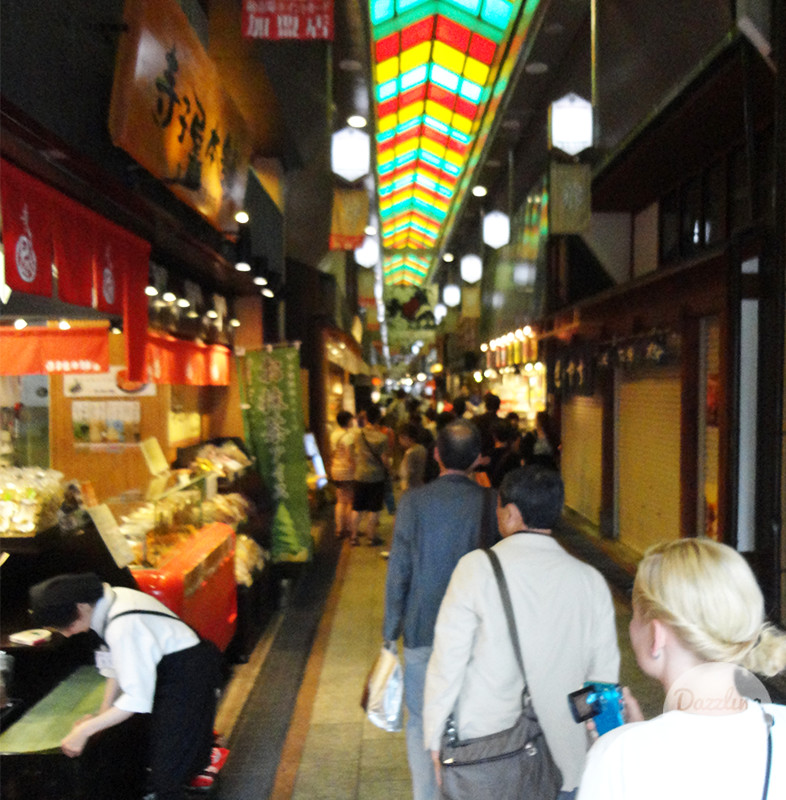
(169, 111)
(274, 431)
(288, 19)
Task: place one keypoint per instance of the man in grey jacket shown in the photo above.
(436, 525)
(565, 619)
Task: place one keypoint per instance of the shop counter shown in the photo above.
(34, 766)
(197, 582)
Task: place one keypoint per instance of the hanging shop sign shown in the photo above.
(348, 219)
(28, 210)
(572, 371)
(170, 112)
(653, 350)
(180, 362)
(99, 264)
(273, 419)
(41, 351)
(288, 19)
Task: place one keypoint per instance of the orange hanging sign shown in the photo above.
(37, 351)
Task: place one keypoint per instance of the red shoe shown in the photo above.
(206, 778)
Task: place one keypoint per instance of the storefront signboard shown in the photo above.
(273, 418)
(288, 19)
(170, 112)
(42, 351)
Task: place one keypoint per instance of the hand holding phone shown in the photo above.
(600, 702)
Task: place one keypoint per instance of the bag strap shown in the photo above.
(487, 511)
(508, 606)
(373, 452)
(152, 613)
(769, 722)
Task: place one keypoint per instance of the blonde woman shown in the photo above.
(698, 627)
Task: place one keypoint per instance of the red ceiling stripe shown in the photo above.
(465, 108)
(414, 95)
(421, 31)
(482, 48)
(453, 34)
(387, 47)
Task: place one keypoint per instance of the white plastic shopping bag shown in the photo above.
(383, 694)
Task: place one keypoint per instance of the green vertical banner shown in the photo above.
(274, 429)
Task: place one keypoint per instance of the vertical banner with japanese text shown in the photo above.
(274, 432)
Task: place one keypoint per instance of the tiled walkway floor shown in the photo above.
(302, 733)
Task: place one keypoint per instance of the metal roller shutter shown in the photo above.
(648, 458)
(582, 421)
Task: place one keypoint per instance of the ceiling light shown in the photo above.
(170, 297)
(496, 229)
(478, 376)
(536, 68)
(350, 154)
(192, 314)
(268, 292)
(151, 291)
(370, 230)
(260, 280)
(484, 347)
(182, 302)
(235, 323)
(350, 65)
(243, 266)
(524, 273)
(212, 314)
(448, 257)
(451, 295)
(64, 325)
(471, 268)
(241, 217)
(115, 330)
(367, 255)
(356, 121)
(570, 124)
(421, 376)
(479, 191)
(20, 324)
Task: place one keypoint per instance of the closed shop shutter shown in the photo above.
(648, 458)
(582, 421)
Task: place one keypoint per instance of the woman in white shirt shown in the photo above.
(698, 627)
(342, 470)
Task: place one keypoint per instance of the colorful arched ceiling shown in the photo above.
(436, 66)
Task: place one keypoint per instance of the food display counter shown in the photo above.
(196, 580)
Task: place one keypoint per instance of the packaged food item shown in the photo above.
(29, 500)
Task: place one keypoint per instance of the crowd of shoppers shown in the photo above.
(696, 605)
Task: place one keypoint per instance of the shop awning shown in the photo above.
(41, 351)
(176, 361)
(99, 264)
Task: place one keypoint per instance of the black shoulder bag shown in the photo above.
(510, 765)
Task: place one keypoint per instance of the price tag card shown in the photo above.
(154, 456)
(107, 528)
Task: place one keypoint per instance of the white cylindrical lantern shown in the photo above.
(350, 153)
(571, 124)
(496, 229)
(440, 310)
(451, 295)
(367, 255)
(471, 268)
